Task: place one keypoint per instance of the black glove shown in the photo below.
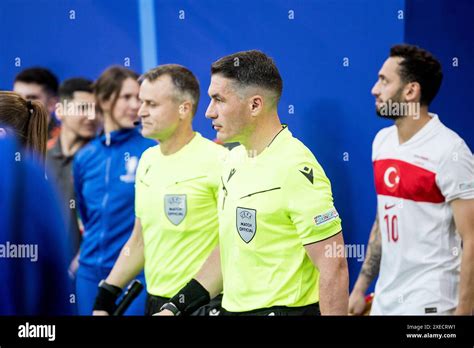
(106, 297)
(188, 299)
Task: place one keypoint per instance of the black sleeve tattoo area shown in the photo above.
(371, 266)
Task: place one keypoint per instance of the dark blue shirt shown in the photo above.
(35, 250)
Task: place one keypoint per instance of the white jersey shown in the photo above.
(421, 250)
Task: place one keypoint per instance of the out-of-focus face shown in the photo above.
(78, 115)
(388, 86)
(229, 112)
(125, 111)
(33, 91)
(160, 109)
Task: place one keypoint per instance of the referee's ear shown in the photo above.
(256, 104)
(185, 109)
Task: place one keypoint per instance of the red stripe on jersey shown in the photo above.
(404, 180)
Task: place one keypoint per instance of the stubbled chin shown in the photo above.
(220, 136)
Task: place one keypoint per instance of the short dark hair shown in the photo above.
(419, 65)
(76, 84)
(183, 80)
(250, 68)
(40, 76)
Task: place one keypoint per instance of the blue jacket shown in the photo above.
(104, 181)
(36, 283)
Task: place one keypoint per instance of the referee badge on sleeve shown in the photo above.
(175, 208)
(326, 217)
(246, 223)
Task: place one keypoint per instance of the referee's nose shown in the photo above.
(142, 111)
(211, 111)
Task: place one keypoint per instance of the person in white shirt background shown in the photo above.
(422, 242)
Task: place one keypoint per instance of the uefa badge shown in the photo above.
(175, 208)
(246, 220)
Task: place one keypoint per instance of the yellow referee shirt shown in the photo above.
(270, 206)
(176, 201)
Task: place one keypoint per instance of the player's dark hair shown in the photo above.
(419, 65)
(109, 84)
(250, 68)
(76, 84)
(40, 76)
(184, 81)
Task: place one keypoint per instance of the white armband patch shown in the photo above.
(326, 217)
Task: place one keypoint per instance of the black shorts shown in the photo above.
(213, 308)
(312, 309)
